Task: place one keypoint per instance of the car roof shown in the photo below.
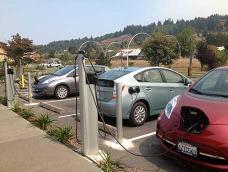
(222, 68)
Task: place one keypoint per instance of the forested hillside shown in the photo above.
(214, 28)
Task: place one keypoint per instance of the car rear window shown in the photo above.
(114, 74)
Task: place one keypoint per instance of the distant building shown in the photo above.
(222, 24)
(2, 51)
(221, 48)
(132, 53)
(34, 56)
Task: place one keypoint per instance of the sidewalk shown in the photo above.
(25, 148)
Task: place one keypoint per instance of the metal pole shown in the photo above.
(7, 86)
(29, 88)
(88, 112)
(119, 114)
(141, 33)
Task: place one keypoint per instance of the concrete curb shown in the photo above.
(51, 108)
(24, 97)
(101, 127)
(111, 128)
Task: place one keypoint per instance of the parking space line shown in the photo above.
(62, 100)
(142, 136)
(64, 116)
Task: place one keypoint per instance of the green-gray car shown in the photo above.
(145, 92)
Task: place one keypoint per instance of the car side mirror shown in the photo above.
(187, 82)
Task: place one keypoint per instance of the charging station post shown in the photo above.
(8, 87)
(88, 111)
(119, 115)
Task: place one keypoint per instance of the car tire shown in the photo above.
(61, 92)
(138, 114)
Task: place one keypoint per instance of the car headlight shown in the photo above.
(170, 106)
(48, 81)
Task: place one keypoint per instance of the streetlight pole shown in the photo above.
(141, 33)
(87, 42)
(112, 43)
(179, 47)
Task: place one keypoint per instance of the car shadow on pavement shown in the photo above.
(126, 123)
(166, 161)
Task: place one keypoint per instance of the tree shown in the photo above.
(188, 45)
(210, 56)
(51, 54)
(64, 57)
(159, 49)
(18, 46)
(102, 60)
(72, 50)
(201, 53)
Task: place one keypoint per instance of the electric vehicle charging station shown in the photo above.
(88, 111)
(9, 85)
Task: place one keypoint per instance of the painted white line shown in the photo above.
(62, 100)
(141, 137)
(64, 116)
(31, 104)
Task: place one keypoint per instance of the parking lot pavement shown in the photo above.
(143, 141)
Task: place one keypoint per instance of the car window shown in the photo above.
(172, 77)
(214, 83)
(211, 82)
(152, 76)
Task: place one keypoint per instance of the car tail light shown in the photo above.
(114, 92)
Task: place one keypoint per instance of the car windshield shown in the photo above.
(64, 71)
(214, 83)
(114, 74)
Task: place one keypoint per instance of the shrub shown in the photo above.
(3, 100)
(26, 113)
(16, 107)
(63, 135)
(43, 121)
(108, 165)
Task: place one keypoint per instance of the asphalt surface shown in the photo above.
(142, 138)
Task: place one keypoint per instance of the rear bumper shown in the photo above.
(109, 108)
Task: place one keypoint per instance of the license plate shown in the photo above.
(187, 149)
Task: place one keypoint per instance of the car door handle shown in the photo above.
(171, 89)
(148, 88)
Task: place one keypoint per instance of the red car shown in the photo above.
(194, 125)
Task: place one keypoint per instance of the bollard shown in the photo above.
(29, 88)
(119, 115)
(22, 81)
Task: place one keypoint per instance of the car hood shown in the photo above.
(215, 108)
(46, 77)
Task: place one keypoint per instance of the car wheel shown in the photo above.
(138, 114)
(61, 92)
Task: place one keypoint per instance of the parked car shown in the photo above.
(62, 82)
(194, 125)
(56, 64)
(155, 87)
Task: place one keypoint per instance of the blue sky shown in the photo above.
(47, 20)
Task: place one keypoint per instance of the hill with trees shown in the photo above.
(213, 28)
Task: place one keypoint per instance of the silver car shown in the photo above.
(62, 82)
(145, 92)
